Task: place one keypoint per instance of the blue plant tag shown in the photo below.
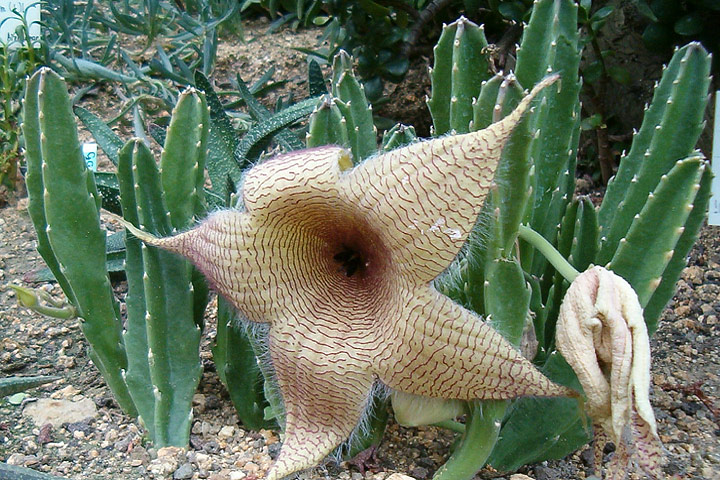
(89, 152)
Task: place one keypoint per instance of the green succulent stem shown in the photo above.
(479, 440)
(451, 425)
(64, 313)
(548, 250)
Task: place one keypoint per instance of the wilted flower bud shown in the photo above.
(602, 335)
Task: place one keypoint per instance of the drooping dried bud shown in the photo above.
(602, 335)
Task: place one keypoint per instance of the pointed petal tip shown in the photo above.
(146, 237)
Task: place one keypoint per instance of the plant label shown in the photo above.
(12, 28)
(89, 152)
(714, 214)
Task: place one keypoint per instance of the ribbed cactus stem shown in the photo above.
(670, 130)
(327, 126)
(64, 207)
(657, 228)
(461, 65)
(182, 162)
(398, 136)
(550, 43)
(349, 96)
(163, 328)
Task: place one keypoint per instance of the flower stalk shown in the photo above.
(40, 301)
(479, 439)
(549, 252)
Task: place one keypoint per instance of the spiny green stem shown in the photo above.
(546, 248)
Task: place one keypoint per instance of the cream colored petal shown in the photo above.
(325, 386)
(435, 348)
(425, 198)
(298, 179)
(602, 335)
(229, 251)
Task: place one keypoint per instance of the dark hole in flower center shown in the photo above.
(350, 260)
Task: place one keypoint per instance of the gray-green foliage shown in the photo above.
(643, 230)
(12, 385)
(13, 472)
(175, 42)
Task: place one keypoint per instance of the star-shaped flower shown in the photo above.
(602, 335)
(340, 260)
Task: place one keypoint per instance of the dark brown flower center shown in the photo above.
(350, 260)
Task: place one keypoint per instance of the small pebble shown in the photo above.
(184, 472)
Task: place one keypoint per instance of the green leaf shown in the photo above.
(658, 37)
(14, 385)
(396, 68)
(106, 138)
(602, 13)
(222, 142)
(666, 10)
(689, 25)
(249, 147)
(645, 10)
(316, 80)
(513, 10)
(288, 140)
(619, 74)
(17, 398)
(592, 122)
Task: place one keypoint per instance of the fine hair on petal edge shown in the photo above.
(380, 391)
(258, 335)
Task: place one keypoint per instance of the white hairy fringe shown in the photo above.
(258, 334)
(382, 392)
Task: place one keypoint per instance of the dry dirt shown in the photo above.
(110, 445)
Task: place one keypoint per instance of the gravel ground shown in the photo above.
(110, 445)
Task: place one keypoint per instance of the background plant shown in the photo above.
(16, 63)
(82, 42)
(587, 235)
(672, 23)
(408, 27)
(143, 47)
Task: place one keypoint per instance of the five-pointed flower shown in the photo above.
(602, 335)
(340, 260)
